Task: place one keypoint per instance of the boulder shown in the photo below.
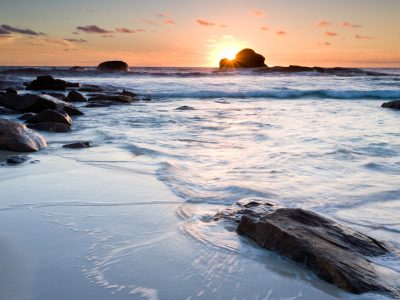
(59, 96)
(90, 88)
(112, 98)
(246, 58)
(17, 137)
(392, 104)
(16, 159)
(47, 82)
(185, 107)
(50, 127)
(129, 93)
(113, 66)
(50, 115)
(11, 91)
(75, 96)
(337, 254)
(26, 116)
(79, 145)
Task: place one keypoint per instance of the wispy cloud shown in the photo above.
(93, 29)
(257, 13)
(162, 15)
(281, 32)
(204, 22)
(331, 33)
(350, 25)
(323, 23)
(264, 28)
(7, 29)
(107, 36)
(78, 41)
(170, 22)
(325, 44)
(124, 30)
(363, 37)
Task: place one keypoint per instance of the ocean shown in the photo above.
(132, 217)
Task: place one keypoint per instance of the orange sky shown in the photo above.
(361, 33)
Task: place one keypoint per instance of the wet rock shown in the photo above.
(392, 104)
(246, 58)
(74, 96)
(128, 93)
(113, 66)
(26, 116)
(17, 137)
(47, 82)
(17, 159)
(90, 88)
(58, 96)
(79, 145)
(50, 127)
(11, 91)
(337, 254)
(52, 116)
(112, 98)
(7, 111)
(77, 68)
(185, 107)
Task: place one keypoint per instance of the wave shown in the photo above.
(283, 94)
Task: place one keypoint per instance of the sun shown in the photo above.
(228, 52)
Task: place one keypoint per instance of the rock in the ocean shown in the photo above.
(90, 88)
(11, 91)
(17, 137)
(113, 98)
(50, 127)
(17, 159)
(246, 58)
(185, 107)
(79, 145)
(113, 66)
(50, 115)
(47, 82)
(75, 96)
(26, 116)
(392, 104)
(337, 254)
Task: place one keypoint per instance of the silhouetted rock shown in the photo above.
(59, 96)
(128, 93)
(392, 104)
(50, 115)
(112, 98)
(246, 58)
(17, 137)
(50, 127)
(37, 103)
(90, 88)
(74, 96)
(11, 91)
(26, 116)
(78, 145)
(337, 254)
(77, 68)
(47, 82)
(113, 66)
(17, 159)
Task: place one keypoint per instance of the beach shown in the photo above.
(131, 217)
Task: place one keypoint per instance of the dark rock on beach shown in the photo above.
(47, 82)
(50, 127)
(184, 107)
(11, 91)
(129, 93)
(113, 66)
(17, 137)
(337, 254)
(50, 115)
(90, 88)
(79, 145)
(392, 104)
(75, 96)
(112, 98)
(59, 96)
(246, 58)
(26, 116)
(17, 159)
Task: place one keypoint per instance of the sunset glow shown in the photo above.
(177, 33)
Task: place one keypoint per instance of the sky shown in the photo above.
(347, 33)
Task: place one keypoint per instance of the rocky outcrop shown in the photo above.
(75, 96)
(392, 105)
(16, 159)
(78, 145)
(50, 127)
(112, 98)
(52, 116)
(17, 137)
(337, 254)
(246, 58)
(47, 82)
(113, 66)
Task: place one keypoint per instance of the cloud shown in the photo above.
(323, 24)
(264, 28)
(325, 44)
(6, 29)
(162, 15)
(124, 30)
(93, 29)
(331, 34)
(350, 25)
(363, 37)
(257, 13)
(281, 32)
(140, 30)
(170, 22)
(203, 22)
(107, 36)
(79, 41)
